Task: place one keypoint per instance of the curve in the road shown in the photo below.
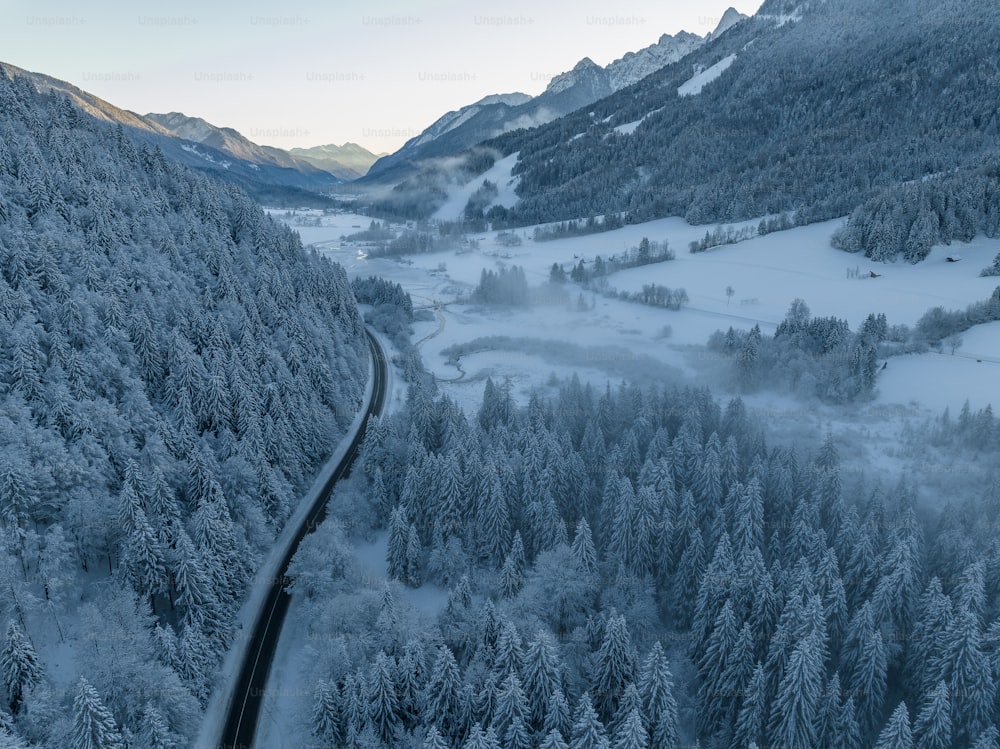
(244, 710)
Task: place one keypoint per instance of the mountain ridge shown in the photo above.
(345, 163)
(814, 110)
(583, 84)
(268, 180)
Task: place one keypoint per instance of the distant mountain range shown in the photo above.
(494, 115)
(346, 162)
(297, 177)
(349, 161)
(263, 172)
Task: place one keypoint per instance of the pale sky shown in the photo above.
(309, 72)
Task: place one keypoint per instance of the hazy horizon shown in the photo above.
(303, 74)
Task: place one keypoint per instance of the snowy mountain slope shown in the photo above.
(634, 66)
(699, 80)
(499, 174)
(790, 124)
(586, 83)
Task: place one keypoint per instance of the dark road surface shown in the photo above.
(244, 710)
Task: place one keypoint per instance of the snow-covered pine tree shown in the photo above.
(19, 666)
(631, 734)
(396, 549)
(383, 706)
(509, 656)
(715, 695)
(615, 665)
(659, 707)
(93, 725)
(588, 731)
(434, 739)
(553, 740)
(558, 718)
(154, 731)
(932, 727)
(752, 719)
(965, 668)
(896, 734)
(543, 676)
(584, 553)
(795, 714)
(443, 695)
(511, 707)
(327, 712)
(864, 663)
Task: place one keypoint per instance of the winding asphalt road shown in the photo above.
(244, 710)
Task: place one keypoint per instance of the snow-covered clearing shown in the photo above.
(698, 81)
(628, 128)
(499, 174)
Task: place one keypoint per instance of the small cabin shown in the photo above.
(954, 258)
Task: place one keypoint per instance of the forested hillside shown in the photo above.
(825, 107)
(174, 368)
(814, 115)
(637, 569)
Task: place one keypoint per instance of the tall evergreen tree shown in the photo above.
(443, 695)
(512, 705)
(848, 732)
(659, 707)
(631, 734)
(558, 718)
(154, 731)
(932, 728)
(542, 676)
(896, 734)
(396, 550)
(966, 670)
(94, 726)
(584, 553)
(864, 662)
(795, 715)
(752, 720)
(327, 714)
(509, 653)
(615, 665)
(715, 695)
(588, 731)
(383, 706)
(19, 666)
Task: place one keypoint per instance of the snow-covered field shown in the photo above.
(766, 273)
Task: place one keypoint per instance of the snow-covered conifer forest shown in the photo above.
(654, 411)
(638, 568)
(175, 367)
